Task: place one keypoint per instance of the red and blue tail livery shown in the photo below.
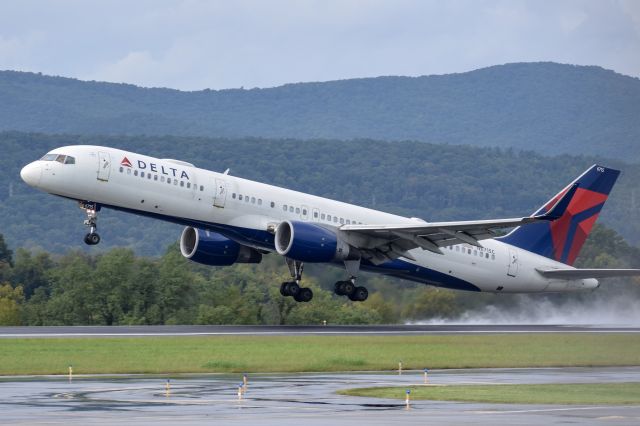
(563, 238)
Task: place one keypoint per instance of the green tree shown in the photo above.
(10, 304)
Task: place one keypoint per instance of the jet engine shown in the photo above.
(309, 242)
(211, 248)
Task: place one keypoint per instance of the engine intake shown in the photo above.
(211, 248)
(309, 242)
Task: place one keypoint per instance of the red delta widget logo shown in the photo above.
(155, 168)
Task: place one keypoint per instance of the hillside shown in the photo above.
(545, 107)
(435, 182)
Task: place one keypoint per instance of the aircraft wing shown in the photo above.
(381, 243)
(577, 274)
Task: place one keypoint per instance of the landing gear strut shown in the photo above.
(292, 288)
(92, 238)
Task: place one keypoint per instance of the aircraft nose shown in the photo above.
(31, 174)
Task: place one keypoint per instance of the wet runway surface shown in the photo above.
(276, 399)
(213, 330)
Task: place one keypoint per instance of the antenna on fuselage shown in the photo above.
(226, 172)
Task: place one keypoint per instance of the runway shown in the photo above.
(278, 399)
(214, 330)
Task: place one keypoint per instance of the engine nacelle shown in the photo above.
(211, 248)
(309, 242)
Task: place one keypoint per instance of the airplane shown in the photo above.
(231, 220)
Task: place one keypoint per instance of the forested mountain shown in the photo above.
(434, 182)
(544, 107)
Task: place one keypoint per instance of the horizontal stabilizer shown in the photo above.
(577, 274)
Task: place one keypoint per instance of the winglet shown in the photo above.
(560, 207)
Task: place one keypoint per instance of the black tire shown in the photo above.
(348, 288)
(361, 294)
(293, 289)
(337, 288)
(283, 289)
(304, 295)
(92, 239)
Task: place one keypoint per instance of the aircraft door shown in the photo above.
(512, 271)
(221, 193)
(104, 166)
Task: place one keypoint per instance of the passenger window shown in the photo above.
(175, 182)
(342, 221)
(469, 251)
(304, 212)
(322, 216)
(128, 171)
(240, 197)
(141, 174)
(335, 219)
(149, 176)
(246, 199)
(70, 160)
(291, 209)
(315, 214)
(259, 201)
(253, 200)
(189, 186)
(284, 207)
(233, 195)
(493, 257)
(486, 255)
(169, 181)
(162, 179)
(297, 210)
(182, 183)
(155, 177)
(273, 204)
(458, 248)
(121, 169)
(135, 173)
(348, 222)
(201, 188)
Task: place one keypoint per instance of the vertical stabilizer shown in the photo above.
(563, 238)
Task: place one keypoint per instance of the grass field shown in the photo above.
(313, 353)
(566, 394)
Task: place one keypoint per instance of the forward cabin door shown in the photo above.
(221, 193)
(104, 166)
(513, 263)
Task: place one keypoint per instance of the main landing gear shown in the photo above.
(92, 238)
(292, 288)
(348, 288)
(342, 288)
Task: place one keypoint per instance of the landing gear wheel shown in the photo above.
(304, 295)
(92, 238)
(293, 289)
(347, 288)
(284, 289)
(360, 294)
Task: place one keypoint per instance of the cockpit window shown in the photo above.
(63, 159)
(49, 157)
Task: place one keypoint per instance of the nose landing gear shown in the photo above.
(92, 238)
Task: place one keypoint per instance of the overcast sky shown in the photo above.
(195, 44)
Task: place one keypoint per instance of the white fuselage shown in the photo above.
(248, 211)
